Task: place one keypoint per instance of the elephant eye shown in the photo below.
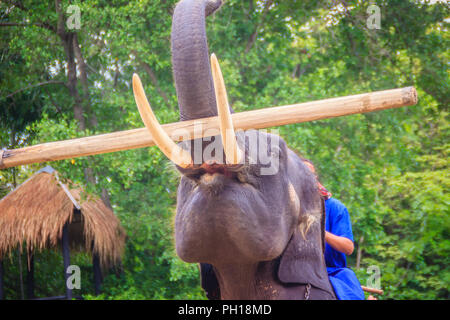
(242, 177)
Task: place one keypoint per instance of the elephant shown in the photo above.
(261, 230)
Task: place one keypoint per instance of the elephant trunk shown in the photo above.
(190, 59)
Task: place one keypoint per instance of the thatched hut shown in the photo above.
(43, 213)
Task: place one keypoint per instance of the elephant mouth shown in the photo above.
(210, 168)
(216, 179)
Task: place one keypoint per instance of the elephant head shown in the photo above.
(251, 209)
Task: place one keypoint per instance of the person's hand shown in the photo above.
(371, 298)
(340, 244)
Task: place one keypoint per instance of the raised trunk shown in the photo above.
(190, 59)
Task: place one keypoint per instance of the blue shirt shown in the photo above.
(337, 222)
(344, 281)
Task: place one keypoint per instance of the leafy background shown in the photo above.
(390, 168)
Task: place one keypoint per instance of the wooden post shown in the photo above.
(66, 258)
(30, 277)
(19, 255)
(97, 273)
(256, 119)
(2, 292)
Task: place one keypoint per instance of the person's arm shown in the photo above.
(341, 244)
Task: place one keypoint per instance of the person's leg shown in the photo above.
(346, 285)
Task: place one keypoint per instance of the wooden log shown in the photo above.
(372, 290)
(255, 119)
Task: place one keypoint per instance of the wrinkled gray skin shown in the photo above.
(245, 224)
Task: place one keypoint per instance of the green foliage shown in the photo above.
(390, 168)
(48, 270)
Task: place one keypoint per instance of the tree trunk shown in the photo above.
(253, 36)
(82, 68)
(359, 252)
(81, 105)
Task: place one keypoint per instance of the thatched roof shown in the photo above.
(35, 213)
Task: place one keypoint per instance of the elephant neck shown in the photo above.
(241, 281)
(258, 281)
(249, 281)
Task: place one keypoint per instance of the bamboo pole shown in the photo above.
(255, 119)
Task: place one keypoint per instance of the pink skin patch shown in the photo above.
(212, 167)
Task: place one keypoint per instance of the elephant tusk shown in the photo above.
(172, 151)
(232, 151)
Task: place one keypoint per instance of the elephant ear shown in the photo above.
(303, 261)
